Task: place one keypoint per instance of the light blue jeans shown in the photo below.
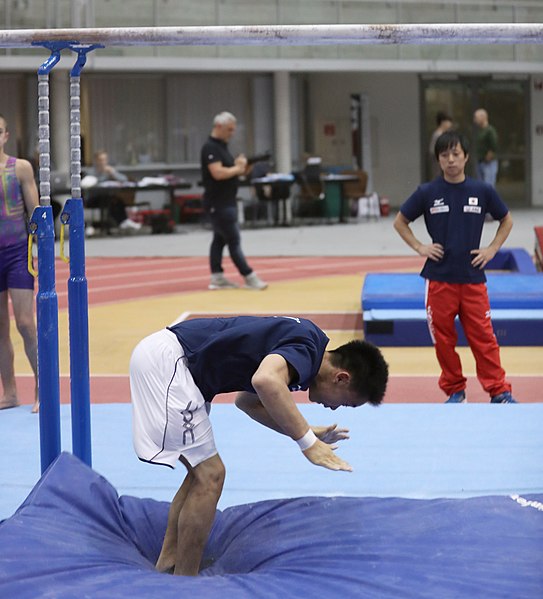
(488, 172)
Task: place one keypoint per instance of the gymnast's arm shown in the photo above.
(275, 408)
(434, 251)
(25, 175)
(253, 407)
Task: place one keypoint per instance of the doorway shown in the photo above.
(507, 103)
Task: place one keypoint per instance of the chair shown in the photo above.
(354, 190)
(311, 195)
(274, 193)
(362, 205)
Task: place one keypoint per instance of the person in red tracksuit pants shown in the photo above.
(454, 208)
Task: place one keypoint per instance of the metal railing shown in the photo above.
(56, 14)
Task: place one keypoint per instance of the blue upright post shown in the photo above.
(79, 332)
(78, 308)
(41, 223)
(47, 315)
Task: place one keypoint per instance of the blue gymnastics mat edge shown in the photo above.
(84, 540)
(393, 309)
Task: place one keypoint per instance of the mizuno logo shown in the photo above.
(439, 202)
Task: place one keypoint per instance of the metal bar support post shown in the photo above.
(42, 225)
(73, 215)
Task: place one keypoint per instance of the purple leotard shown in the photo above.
(13, 233)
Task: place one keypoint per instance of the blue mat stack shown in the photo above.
(75, 537)
(394, 313)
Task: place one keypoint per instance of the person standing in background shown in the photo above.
(486, 146)
(454, 208)
(220, 172)
(18, 198)
(444, 123)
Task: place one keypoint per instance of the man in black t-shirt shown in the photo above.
(220, 172)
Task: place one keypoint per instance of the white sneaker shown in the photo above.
(253, 281)
(130, 224)
(219, 281)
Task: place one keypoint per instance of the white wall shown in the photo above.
(395, 126)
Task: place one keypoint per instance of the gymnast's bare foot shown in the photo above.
(8, 402)
(36, 406)
(165, 564)
(165, 570)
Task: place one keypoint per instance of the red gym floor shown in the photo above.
(132, 297)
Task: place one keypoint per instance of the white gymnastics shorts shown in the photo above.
(170, 416)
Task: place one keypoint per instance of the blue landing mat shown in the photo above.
(405, 291)
(513, 260)
(74, 537)
(394, 313)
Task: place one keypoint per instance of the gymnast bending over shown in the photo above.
(175, 373)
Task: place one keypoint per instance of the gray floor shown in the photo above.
(363, 238)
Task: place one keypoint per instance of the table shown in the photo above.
(275, 187)
(103, 194)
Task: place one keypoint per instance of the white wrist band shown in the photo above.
(307, 440)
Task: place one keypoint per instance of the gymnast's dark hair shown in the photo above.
(367, 367)
(450, 139)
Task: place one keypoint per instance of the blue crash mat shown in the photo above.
(394, 314)
(405, 291)
(74, 537)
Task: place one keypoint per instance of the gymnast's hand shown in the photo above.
(322, 454)
(482, 256)
(433, 251)
(330, 434)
